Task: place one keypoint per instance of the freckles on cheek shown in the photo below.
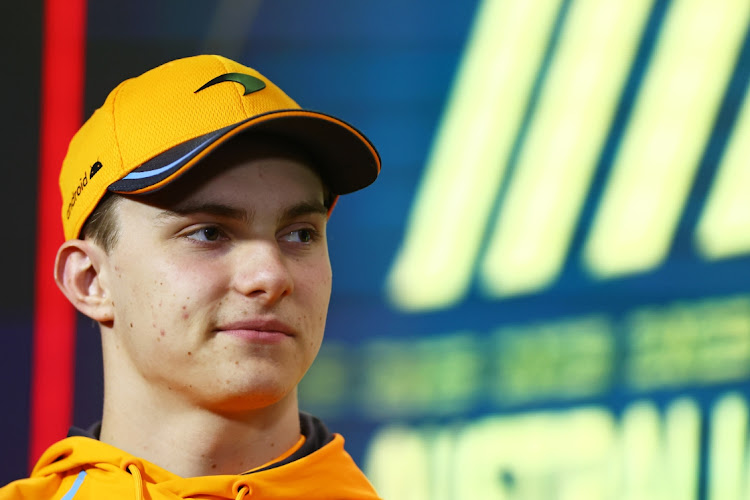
(315, 287)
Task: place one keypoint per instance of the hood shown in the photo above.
(89, 468)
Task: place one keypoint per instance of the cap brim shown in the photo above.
(344, 158)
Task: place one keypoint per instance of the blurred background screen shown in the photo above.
(545, 294)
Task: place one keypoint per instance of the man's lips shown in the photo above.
(258, 330)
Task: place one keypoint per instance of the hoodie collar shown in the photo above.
(313, 429)
(321, 469)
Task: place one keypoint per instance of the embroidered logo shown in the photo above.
(249, 82)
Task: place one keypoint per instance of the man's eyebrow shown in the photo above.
(229, 212)
(207, 208)
(304, 208)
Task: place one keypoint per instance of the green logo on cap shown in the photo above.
(250, 83)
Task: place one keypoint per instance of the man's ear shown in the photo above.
(77, 273)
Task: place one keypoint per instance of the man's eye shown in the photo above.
(208, 233)
(300, 236)
(304, 235)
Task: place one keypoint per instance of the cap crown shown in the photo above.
(152, 113)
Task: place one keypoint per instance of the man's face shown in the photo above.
(221, 285)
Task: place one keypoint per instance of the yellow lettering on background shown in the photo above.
(728, 449)
(666, 136)
(557, 160)
(453, 206)
(562, 359)
(584, 453)
(724, 227)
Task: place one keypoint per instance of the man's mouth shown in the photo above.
(257, 330)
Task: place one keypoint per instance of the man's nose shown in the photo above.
(262, 272)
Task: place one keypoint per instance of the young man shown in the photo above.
(195, 203)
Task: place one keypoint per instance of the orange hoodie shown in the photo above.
(81, 468)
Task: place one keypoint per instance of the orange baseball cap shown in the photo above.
(154, 127)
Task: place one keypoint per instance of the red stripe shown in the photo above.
(54, 318)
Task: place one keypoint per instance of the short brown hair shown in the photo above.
(102, 226)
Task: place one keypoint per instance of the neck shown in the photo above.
(192, 440)
(201, 443)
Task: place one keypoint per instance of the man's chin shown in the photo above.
(237, 402)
